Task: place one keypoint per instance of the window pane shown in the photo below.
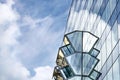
(89, 63)
(88, 41)
(75, 39)
(75, 61)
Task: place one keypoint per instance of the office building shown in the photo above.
(93, 28)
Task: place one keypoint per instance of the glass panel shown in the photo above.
(115, 52)
(88, 41)
(108, 10)
(86, 78)
(116, 70)
(89, 63)
(114, 15)
(114, 35)
(70, 48)
(118, 20)
(65, 51)
(97, 6)
(105, 78)
(98, 67)
(75, 78)
(113, 56)
(93, 4)
(75, 61)
(94, 52)
(68, 72)
(95, 75)
(103, 53)
(71, 16)
(89, 4)
(75, 39)
(103, 37)
(103, 6)
(106, 67)
(109, 44)
(110, 74)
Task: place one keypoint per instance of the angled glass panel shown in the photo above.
(89, 63)
(75, 78)
(70, 48)
(75, 61)
(86, 78)
(94, 52)
(75, 39)
(95, 75)
(65, 51)
(88, 41)
(67, 72)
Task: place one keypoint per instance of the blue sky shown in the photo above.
(31, 33)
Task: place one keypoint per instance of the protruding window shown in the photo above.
(77, 59)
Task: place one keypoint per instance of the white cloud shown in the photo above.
(38, 36)
(7, 14)
(12, 67)
(8, 36)
(12, 70)
(43, 73)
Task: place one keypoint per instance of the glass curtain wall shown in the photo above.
(101, 18)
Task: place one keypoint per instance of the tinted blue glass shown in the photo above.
(76, 40)
(94, 52)
(89, 63)
(70, 48)
(97, 6)
(108, 10)
(114, 15)
(75, 61)
(68, 72)
(75, 1)
(90, 2)
(65, 51)
(95, 74)
(79, 8)
(103, 6)
(93, 4)
(118, 19)
(85, 6)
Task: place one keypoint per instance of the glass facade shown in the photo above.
(75, 60)
(101, 18)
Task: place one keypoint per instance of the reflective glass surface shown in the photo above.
(88, 41)
(95, 74)
(67, 71)
(94, 52)
(75, 61)
(89, 63)
(75, 39)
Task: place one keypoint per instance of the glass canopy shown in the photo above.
(77, 58)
